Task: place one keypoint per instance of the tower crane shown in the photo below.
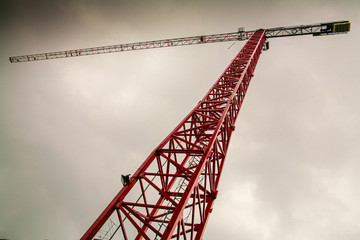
(171, 195)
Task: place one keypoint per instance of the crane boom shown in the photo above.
(313, 29)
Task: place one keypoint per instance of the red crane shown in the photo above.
(172, 193)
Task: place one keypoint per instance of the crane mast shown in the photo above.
(183, 172)
(171, 195)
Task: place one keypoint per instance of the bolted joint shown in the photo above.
(197, 227)
(157, 152)
(140, 176)
(212, 195)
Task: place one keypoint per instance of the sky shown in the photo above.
(70, 127)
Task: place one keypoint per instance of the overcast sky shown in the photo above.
(70, 127)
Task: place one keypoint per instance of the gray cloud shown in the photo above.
(70, 127)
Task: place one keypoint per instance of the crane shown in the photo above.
(171, 195)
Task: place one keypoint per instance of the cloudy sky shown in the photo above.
(70, 127)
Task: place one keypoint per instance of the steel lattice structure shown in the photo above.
(313, 29)
(172, 193)
(183, 172)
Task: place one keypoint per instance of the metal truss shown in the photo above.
(224, 37)
(314, 29)
(329, 28)
(171, 195)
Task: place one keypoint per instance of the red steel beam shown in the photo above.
(183, 172)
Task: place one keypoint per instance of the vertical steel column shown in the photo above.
(171, 195)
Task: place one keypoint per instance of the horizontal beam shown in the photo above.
(225, 37)
(319, 29)
(328, 28)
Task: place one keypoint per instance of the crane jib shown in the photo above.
(319, 29)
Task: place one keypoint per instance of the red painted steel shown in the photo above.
(178, 182)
